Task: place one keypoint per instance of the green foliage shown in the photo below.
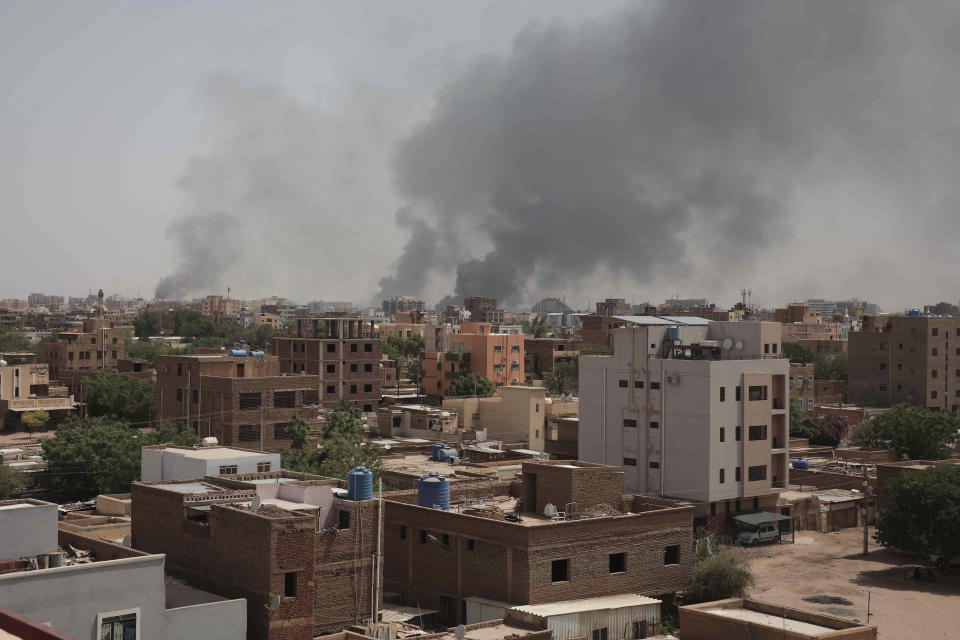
(341, 447)
(718, 573)
(11, 341)
(471, 384)
(119, 396)
(912, 431)
(147, 324)
(202, 331)
(535, 328)
(11, 482)
(824, 430)
(795, 353)
(924, 511)
(146, 349)
(831, 369)
(36, 419)
(565, 377)
(415, 371)
(102, 454)
(398, 349)
(297, 430)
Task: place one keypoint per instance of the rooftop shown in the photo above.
(587, 604)
(773, 622)
(213, 453)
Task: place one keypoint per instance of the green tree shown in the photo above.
(564, 378)
(341, 447)
(471, 384)
(825, 430)
(11, 481)
(147, 324)
(119, 396)
(102, 455)
(297, 430)
(11, 340)
(718, 573)
(915, 432)
(149, 350)
(415, 371)
(536, 327)
(923, 513)
(795, 353)
(36, 420)
(831, 368)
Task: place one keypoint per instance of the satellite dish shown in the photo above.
(727, 343)
(386, 447)
(255, 503)
(274, 602)
(460, 632)
(739, 345)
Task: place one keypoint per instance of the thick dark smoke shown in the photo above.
(675, 139)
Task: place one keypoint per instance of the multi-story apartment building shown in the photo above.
(542, 354)
(344, 355)
(614, 307)
(911, 358)
(396, 304)
(484, 310)
(25, 386)
(476, 349)
(43, 300)
(802, 384)
(242, 401)
(691, 409)
(96, 348)
(221, 309)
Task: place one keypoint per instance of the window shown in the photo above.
(766, 347)
(599, 634)
(638, 384)
(284, 399)
(179, 395)
(228, 469)
(119, 626)
(933, 351)
(559, 571)
(331, 368)
(883, 346)
(883, 366)
(290, 584)
(331, 348)
(654, 385)
(757, 392)
(739, 395)
(251, 400)
(723, 394)
(756, 503)
(423, 537)
(353, 368)
(515, 349)
(497, 348)
(736, 475)
(654, 424)
(738, 434)
(629, 422)
(933, 373)
(654, 465)
(445, 538)
(935, 331)
(618, 562)
(263, 467)
(331, 388)
(471, 544)
(179, 368)
(93, 341)
(723, 433)
(713, 508)
(113, 354)
(758, 432)
(403, 532)
(671, 554)
(368, 347)
(367, 388)
(248, 433)
(624, 384)
(368, 408)
(723, 478)
(757, 473)
(629, 462)
(774, 347)
(353, 348)
(343, 519)
(537, 407)
(114, 341)
(367, 368)
(933, 395)
(736, 505)
(280, 431)
(353, 388)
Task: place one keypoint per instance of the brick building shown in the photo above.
(609, 543)
(242, 401)
(542, 354)
(484, 310)
(499, 357)
(343, 354)
(802, 384)
(299, 544)
(912, 359)
(96, 348)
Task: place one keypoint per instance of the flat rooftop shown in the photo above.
(772, 622)
(216, 453)
(587, 604)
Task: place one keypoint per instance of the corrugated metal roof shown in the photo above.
(690, 321)
(645, 320)
(390, 612)
(587, 604)
(759, 517)
(663, 321)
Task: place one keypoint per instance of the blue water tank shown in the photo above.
(434, 492)
(437, 446)
(360, 484)
(673, 333)
(914, 313)
(800, 463)
(238, 353)
(257, 354)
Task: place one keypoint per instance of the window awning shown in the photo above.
(759, 517)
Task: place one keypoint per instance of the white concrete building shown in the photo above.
(169, 462)
(691, 409)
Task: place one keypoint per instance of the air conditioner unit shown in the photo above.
(673, 378)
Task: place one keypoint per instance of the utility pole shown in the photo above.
(863, 509)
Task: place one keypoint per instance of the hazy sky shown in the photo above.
(594, 148)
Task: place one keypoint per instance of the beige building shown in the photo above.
(96, 348)
(24, 387)
(802, 384)
(693, 409)
(518, 414)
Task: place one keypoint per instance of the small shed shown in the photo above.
(626, 615)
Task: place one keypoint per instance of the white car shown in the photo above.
(763, 533)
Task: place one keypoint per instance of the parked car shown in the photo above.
(756, 535)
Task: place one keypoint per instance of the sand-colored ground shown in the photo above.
(830, 564)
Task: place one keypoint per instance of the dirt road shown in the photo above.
(830, 564)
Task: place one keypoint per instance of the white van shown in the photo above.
(755, 535)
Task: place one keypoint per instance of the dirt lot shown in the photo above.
(830, 564)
